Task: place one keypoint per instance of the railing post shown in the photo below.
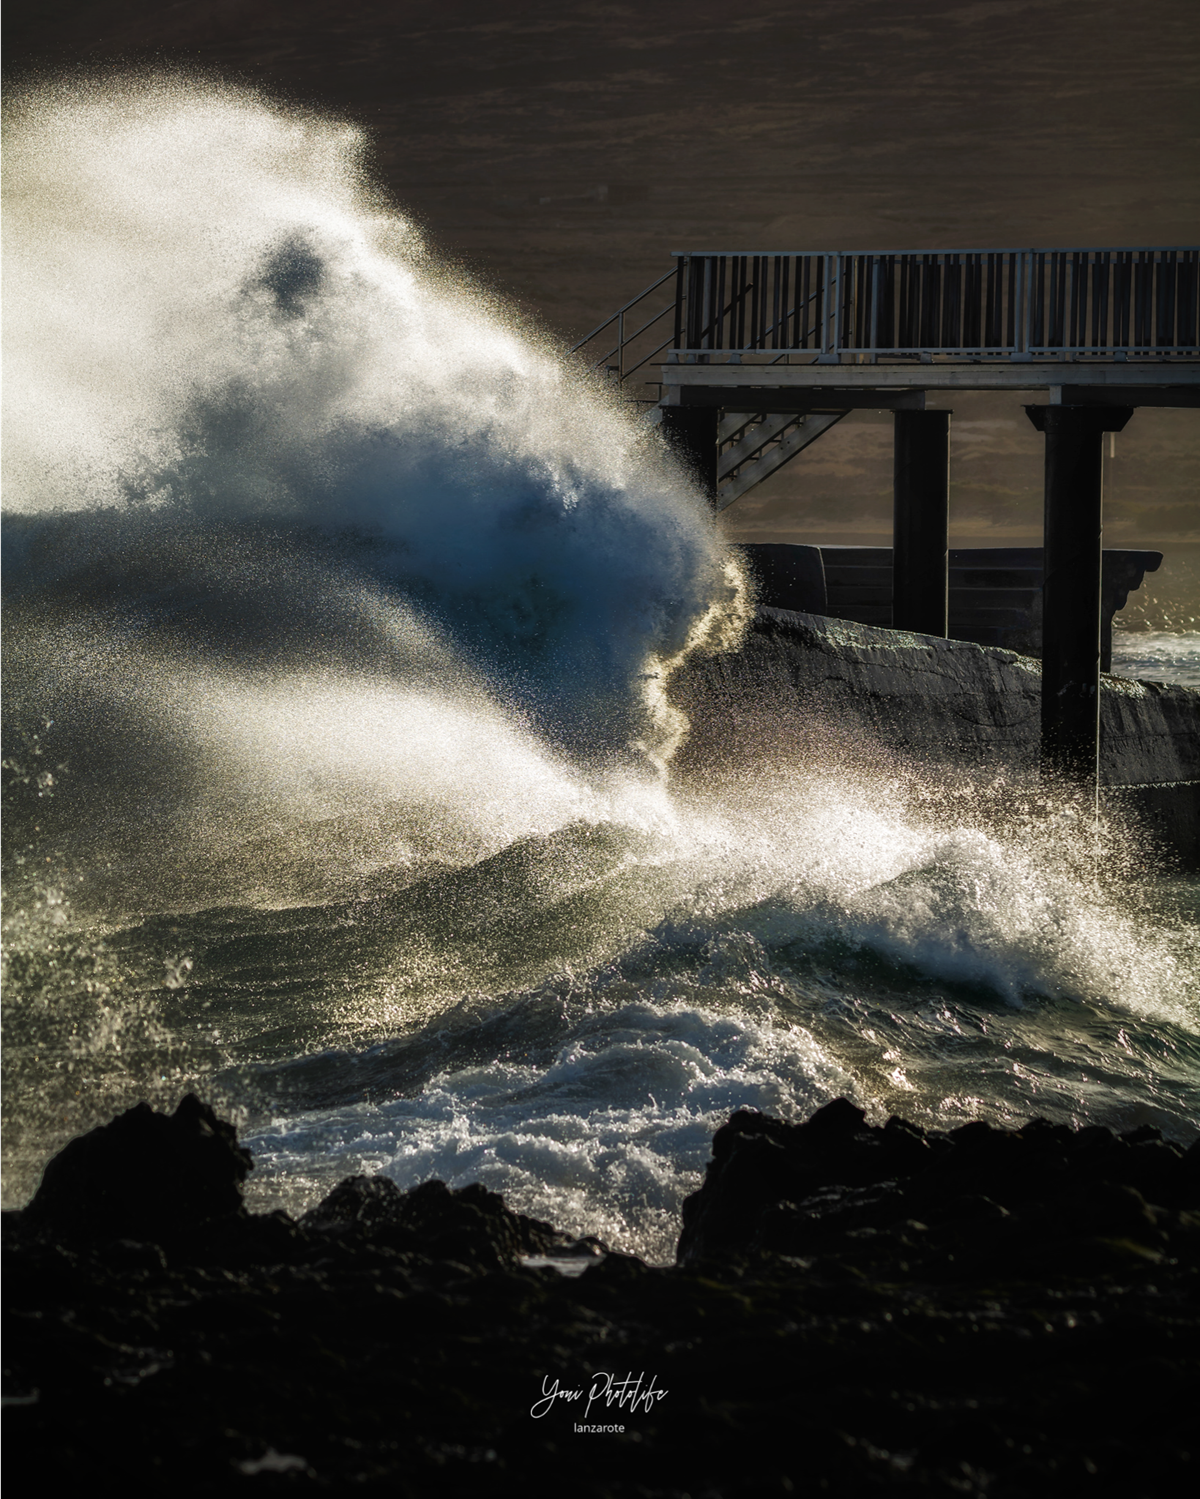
(1071, 588)
(873, 262)
(828, 313)
(837, 308)
(1021, 311)
(1023, 331)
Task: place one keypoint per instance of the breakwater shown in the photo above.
(964, 713)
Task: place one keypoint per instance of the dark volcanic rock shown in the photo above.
(145, 1176)
(471, 1226)
(997, 1314)
(830, 1184)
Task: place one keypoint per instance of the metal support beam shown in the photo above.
(920, 524)
(1071, 587)
(692, 432)
(743, 384)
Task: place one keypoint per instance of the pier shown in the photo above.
(748, 358)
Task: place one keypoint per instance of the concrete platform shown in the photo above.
(844, 693)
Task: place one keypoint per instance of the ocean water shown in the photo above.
(1158, 656)
(341, 617)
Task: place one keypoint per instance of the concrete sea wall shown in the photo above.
(804, 683)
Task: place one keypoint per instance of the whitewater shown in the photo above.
(341, 617)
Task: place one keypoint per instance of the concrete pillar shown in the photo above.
(920, 521)
(1071, 585)
(692, 432)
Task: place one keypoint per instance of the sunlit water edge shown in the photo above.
(589, 1095)
(1158, 656)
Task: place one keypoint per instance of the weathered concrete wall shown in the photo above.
(1149, 733)
(803, 682)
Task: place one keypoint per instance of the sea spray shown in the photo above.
(341, 617)
(243, 387)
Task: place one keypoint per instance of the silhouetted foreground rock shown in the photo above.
(145, 1175)
(471, 1227)
(857, 1310)
(977, 1200)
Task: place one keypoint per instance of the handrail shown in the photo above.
(974, 250)
(666, 343)
(1020, 303)
(600, 327)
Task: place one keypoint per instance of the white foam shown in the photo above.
(363, 543)
(606, 1140)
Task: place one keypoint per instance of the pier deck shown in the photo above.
(754, 356)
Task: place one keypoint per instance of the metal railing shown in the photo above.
(1024, 304)
(630, 349)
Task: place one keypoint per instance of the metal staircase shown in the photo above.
(754, 445)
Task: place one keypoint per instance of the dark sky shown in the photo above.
(561, 151)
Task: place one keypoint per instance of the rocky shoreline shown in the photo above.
(855, 1310)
